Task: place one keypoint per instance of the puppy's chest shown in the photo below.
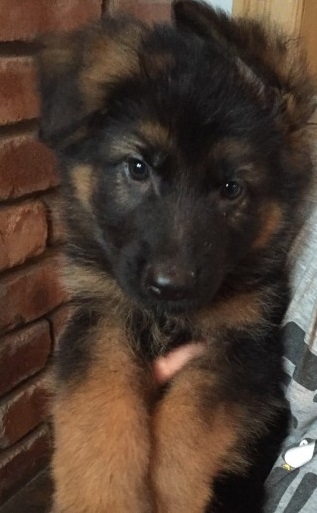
(158, 336)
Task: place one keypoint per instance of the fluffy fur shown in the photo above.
(184, 158)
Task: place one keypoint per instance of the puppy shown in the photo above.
(184, 158)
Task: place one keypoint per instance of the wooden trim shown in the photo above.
(286, 13)
(309, 32)
(297, 17)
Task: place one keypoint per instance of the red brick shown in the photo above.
(26, 166)
(25, 19)
(23, 461)
(23, 231)
(149, 11)
(23, 353)
(29, 293)
(56, 225)
(18, 93)
(22, 410)
(59, 320)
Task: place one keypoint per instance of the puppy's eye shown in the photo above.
(232, 190)
(137, 169)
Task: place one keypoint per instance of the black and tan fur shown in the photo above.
(214, 112)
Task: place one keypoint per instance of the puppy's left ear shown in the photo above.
(215, 26)
(200, 18)
(272, 65)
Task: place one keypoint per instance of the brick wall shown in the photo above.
(33, 305)
(32, 309)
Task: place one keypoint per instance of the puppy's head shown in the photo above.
(183, 154)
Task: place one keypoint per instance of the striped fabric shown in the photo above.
(292, 485)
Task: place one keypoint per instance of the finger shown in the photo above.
(165, 367)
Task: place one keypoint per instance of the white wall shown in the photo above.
(224, 4)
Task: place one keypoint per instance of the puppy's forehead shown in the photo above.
(181, 95)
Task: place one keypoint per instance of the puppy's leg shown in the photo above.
(197, 435)
(102, 436)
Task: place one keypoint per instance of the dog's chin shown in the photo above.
(172, 307)
(163, 307)
(192, 304)
(198, 300)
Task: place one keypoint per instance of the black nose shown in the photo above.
(168, 282)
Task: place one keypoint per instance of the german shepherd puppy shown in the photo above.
(184, 158)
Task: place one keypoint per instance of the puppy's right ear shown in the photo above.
(76, 72)
(59, 65)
